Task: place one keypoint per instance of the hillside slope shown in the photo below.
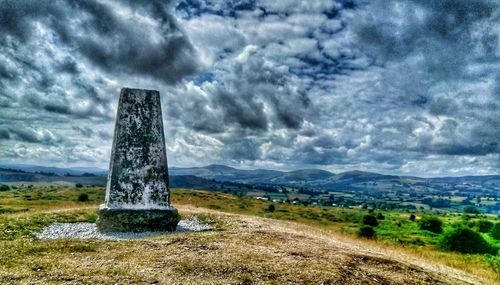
(288, 252)
(242, 250)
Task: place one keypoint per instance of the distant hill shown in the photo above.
(361, 176)
(226, 173)
(216, 176)
(193, 182)
(321, 180)
(55, 170)
(13, 175)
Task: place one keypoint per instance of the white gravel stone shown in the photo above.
(89, 231)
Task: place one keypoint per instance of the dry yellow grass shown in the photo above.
(245, 250)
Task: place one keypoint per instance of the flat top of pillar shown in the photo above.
(133, 90)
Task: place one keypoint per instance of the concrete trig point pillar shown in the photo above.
(137, 193)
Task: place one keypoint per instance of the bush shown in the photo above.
(471, 210)
(431, 224)
(78, 185)
(465, 240)
(380, 216)
(412, 217)
(4, 187)
(366, 232)
(495, 231)
(484, 226)
(84, 197)
(271, 208)
(370, 220)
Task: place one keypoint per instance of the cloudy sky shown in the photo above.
(401, 87)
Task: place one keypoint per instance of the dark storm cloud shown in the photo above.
(61, 109)
(246, 111)
(7, 72)
(244, 149)
(496, 89)
(247, 93)
(4, 134)
(460, 149)
(321, 151)
(26, 135)
(444, 32)
(113, 42)
(62, 60)
(62, 63)
(433, 44)
(253, 95)
(68, 65)
(55, 101)
(196, 8)
(443, 38)
(84, 131)
(105, 135)
(30, 135)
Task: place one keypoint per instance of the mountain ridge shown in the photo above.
(216, 176)
(228, 173)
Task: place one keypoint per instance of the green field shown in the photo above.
(28, 209)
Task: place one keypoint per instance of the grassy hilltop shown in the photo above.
(298, 244)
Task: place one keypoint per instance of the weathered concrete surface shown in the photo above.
(128, 220)
(138, 175)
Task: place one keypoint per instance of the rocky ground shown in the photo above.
(89, 231)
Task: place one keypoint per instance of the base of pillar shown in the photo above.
(137, 220)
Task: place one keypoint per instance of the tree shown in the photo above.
(465, 240)
(78, 185)
(412, 217)
(83, 197)
(470, 209)
(484, 226)
(431, 224)
(271, 208)
(380, 216)
(4, 187)
(366, 232)
(370, 220)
